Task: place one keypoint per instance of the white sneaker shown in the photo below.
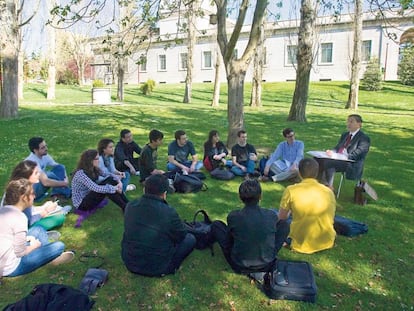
(53, 236)
(130, 187)
(65, 257)
(66, 209)
(137, 173)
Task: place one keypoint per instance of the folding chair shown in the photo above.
(341, 181)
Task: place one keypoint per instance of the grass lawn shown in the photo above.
(371, 272)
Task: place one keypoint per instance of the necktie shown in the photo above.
(346, 143)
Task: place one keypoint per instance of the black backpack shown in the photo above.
(188, 183)
(53, 297)
(201, 230)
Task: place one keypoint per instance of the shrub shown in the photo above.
(406, 66)
(66, 77)
(98, 83)
(372, 80)
(148, 87)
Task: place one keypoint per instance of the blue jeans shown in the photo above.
(172, 167)
(125, 181)
(40, 256)
(183, 250)
(57, 173)
(250, 165)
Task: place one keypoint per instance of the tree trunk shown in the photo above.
(356, 58)
(304, 59)
(20, 73)
(216, 91)
(51, 79)
(236, 69)
(191, 8)
(235, 107)
(10, 41)
(256, 96)
(120, 88)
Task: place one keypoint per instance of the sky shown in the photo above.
(35, 34)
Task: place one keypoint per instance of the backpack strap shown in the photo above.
(206, 217)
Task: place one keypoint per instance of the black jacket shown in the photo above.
(152, 229)
(357, 151)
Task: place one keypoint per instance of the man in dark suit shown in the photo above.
(355, 145)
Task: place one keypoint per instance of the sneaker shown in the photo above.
(66, 209)
(65, 257)
(274, 178)
(264, 178)
(53, 236)
(137, 173)
(130, 187)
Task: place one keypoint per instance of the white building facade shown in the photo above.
(166, 60)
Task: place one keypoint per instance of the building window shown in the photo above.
(162, 62)
(207, 61)
(292, 51)
(326, 53)
(183, 61)
(236, 54)
(142, 62)
(366, 50)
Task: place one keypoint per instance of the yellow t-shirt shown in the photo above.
(313, 209)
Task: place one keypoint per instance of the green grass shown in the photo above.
(370, 272)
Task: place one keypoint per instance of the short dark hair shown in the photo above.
(34, 143)
(154, 135)
(357, 117)
(241, 132)
(250, 191)
(287, 131)
(308, 168)
(124, 132)
(103, 143)
(156, 184)
(178, 134)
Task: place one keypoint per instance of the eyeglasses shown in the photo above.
(290, 136)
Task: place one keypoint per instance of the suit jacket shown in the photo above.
(357, 151)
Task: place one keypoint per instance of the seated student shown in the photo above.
(124, 153)
(87, 194)
(149, 155)
(215, 151)
(178, 152)
(55, 178)
(107, 164)
(355, 145)
(283, 162)
(312, 206)
(155, 241)
(244, 156)
(23, 250)
(253, 235)
(39, 215)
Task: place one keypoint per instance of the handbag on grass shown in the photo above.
(94, 278)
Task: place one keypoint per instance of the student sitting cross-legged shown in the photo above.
(253, 235)
(23, 250)
(155, 241)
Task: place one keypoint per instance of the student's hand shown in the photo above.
(329, 153)
(48, 207)
(133, 171)
(243, 168)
